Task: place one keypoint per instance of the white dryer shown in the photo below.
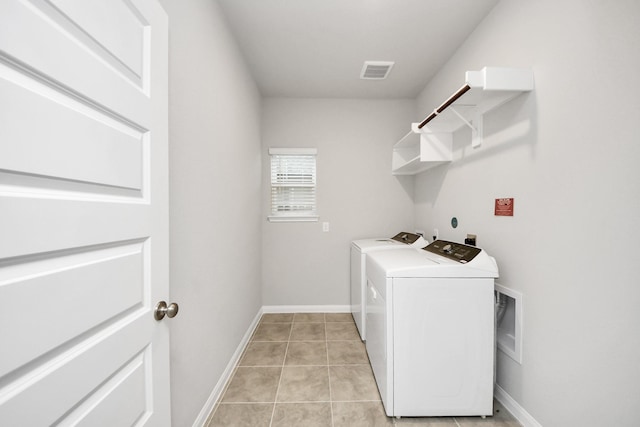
(430, 329)
(359, 251)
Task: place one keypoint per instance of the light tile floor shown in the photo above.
(312, 370)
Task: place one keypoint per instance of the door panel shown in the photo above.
(121, 399)
(101, 17)
(105, 151)
(92, 287)
(83, 213)
(48, 46)
(67, 224)
(55, 387)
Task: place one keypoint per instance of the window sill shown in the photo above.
(293, 218)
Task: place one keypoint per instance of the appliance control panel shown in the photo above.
(407, 238)
(455, 251)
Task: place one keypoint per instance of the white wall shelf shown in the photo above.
(419, 151)
(428, 144)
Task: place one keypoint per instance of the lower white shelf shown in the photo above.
(433, 149)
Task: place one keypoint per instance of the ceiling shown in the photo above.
(316, 48)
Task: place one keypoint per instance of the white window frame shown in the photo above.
(278, 215)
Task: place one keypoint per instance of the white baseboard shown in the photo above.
(226, 375)
(306, 309)
(514, 407)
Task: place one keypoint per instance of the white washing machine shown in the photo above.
(430, 329)
(359, 251)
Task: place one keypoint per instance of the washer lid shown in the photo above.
(453, 251)
(399, 241)
(421, 263)
(406, 237)
(366, 245)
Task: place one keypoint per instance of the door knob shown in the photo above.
(162, 309)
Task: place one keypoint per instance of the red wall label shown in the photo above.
(504, 207)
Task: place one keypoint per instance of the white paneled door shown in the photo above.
(83, 213)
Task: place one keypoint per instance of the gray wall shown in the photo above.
(568, 153)
(215, 186)
(302, 265)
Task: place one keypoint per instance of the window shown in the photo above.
(293, 184)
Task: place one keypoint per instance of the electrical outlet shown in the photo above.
(325, 227)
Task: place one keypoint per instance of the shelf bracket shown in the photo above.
(475, 125)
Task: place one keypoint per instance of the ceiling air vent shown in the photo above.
(376, 70)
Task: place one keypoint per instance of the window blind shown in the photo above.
(293, 183)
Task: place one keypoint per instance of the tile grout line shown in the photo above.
(284, 360)
(326, 345)
(312, 365)
(302, 402)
